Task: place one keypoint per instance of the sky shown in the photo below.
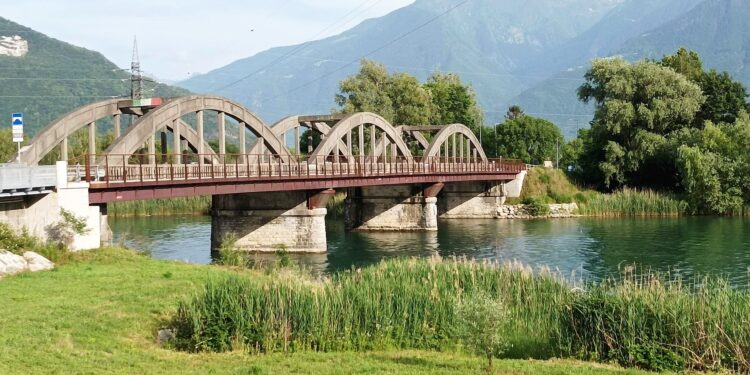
(179, 38)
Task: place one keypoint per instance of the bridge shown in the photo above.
(268, 192)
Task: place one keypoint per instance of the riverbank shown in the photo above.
(100, 312)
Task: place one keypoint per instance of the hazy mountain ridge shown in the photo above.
(486, 52)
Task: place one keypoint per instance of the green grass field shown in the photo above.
(99, 313)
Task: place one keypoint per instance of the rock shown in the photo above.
(37, 262)
(165, 336)
(11, 263)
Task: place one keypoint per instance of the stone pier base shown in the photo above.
(392, 208)
(471, 200)
(266, 222)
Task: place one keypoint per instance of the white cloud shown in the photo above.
(177, 38)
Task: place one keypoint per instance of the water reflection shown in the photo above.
(592, 248)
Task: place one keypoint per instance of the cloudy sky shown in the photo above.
(177, 38)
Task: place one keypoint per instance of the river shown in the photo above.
(580, 247)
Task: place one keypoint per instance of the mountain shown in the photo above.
(717, 29)
(45, 78)
(555, 97)
(533, 53)
(486, 41)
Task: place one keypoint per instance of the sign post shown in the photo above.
(17, 125)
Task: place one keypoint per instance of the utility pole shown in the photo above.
(136, 76)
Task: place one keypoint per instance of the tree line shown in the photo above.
(668, 125)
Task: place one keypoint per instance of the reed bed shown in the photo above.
(631, 202)
(396, 304)
(162, 207)
(645, 321)
(649, 321)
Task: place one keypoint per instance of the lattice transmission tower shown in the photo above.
(136, 76)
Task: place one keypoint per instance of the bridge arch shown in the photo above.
(58, 131)
(173, 110)
(454, 133)
(357, 121)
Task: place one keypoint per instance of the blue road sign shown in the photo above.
(17, 118)
(17, 124)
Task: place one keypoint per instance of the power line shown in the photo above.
(384, 46)
(461, 72)
(60, 79)
(296, 49)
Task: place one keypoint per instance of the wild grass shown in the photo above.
(631, 202)
(552, 184)
(645, 321)
(162, 207)
(18, 243)
(650, 321)
(335, 206)
(407, 304)
(99, 313)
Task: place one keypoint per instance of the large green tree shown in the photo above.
(725, 97)
(455, 102)
(530, 139)
(367, 91)
(401, 99)
(412, 103)
(638, 107)
(715, 166)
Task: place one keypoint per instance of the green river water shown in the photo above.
(581, 247)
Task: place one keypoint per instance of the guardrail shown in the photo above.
(21, 177)
(108, 169)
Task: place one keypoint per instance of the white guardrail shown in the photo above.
(20, 179)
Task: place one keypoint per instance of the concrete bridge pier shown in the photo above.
(477, 199)
(392, 208)
(266, 222)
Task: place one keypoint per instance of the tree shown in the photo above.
(412, 104)
(725, 97)
(686, 62)
(7, 147)
(455, 102)
(367, 91)
(715, 167)
(481, 321)
(530, 139)
(514, 112)
(638, 106)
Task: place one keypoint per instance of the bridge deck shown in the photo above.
(112, 182)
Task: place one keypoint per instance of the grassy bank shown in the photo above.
(99, 313)
(553, 186)
(639, 321)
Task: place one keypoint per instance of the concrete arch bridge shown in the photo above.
(267, 191)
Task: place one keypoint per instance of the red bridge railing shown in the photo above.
(111, 169)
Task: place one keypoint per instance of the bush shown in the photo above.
(481, 324)
(537, 206)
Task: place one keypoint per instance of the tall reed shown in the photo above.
(162, 207)
(646, 321)
(396, 304)
(630, 202)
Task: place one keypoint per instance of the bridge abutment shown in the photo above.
(477, 200)
(392, 208)
(265, 222)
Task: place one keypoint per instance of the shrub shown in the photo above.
(481, 325)
(537, 206)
